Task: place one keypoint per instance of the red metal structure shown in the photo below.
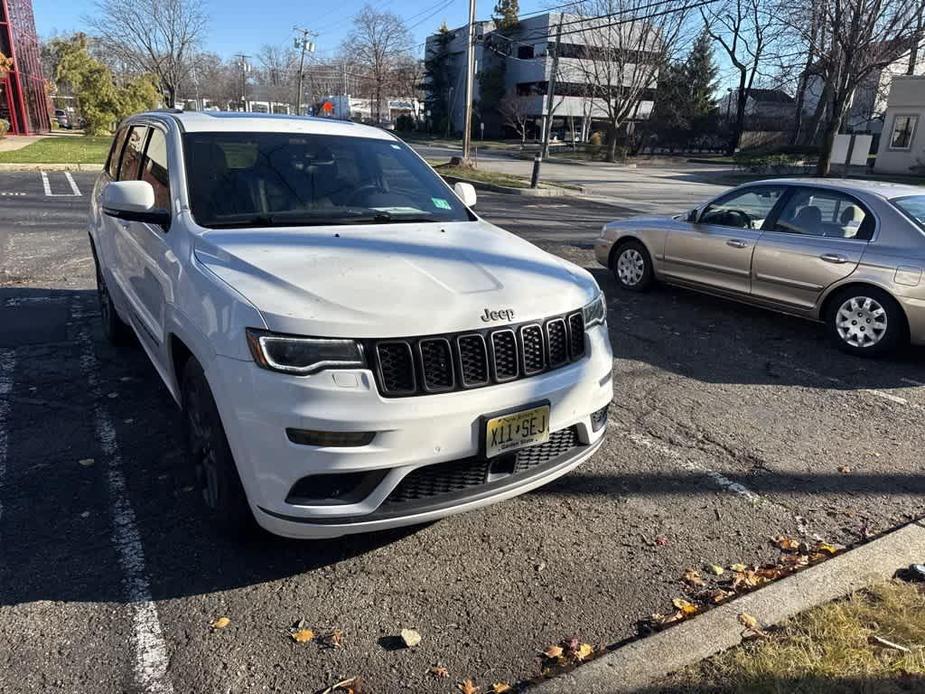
(23, 101)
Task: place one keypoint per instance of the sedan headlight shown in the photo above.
(595, 313)
(303, 355)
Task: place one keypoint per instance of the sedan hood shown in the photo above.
(392, 280)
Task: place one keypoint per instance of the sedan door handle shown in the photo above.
(833, 258)
(736, 243)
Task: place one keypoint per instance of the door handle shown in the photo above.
(833, 258)
(736, 243)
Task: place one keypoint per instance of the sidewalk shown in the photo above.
(11, 143)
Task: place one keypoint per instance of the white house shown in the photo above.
(902, 144)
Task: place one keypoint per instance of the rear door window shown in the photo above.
(131, 156)
(827, 213)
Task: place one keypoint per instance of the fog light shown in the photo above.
(307, 437)
(598, 419)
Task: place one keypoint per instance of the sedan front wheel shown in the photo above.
(632, 266)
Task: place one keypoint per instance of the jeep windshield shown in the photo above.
(264, 179)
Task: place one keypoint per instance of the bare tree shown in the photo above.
(514, 114)
(278, 71)
(376, 43)
(747, 30)
(621, 46)
(153, 36)
(407, 80)
(857, 38)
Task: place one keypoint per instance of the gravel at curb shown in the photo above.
(642, 663)
(51, 167)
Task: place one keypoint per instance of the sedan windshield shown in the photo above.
(249, 179)
(913, 206)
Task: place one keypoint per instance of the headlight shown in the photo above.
(595, 313)
(303, 355)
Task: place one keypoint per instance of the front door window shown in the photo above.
(742, 209)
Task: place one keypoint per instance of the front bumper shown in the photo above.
(257, 406)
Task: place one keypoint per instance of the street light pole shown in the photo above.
(470, 76)
(242, 62)
(303, 44)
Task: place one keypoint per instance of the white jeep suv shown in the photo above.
(352, 347)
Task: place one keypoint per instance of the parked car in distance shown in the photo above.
(850, 253)
(352, 347)
(62, 118)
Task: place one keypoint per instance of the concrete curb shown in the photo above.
(644, 662)
(528, 192)
(51, 167)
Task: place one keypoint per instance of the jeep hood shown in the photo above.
(391, 280)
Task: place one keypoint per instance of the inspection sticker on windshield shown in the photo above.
(441, 203)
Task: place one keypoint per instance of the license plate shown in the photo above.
(509, 432)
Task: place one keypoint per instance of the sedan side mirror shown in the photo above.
(692, 215)
(466, 193)
(133, 201)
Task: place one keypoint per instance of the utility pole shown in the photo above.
(303, 44)
(470, 76)
(245, 68)
(550, 99)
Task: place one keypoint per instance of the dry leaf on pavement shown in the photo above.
(692, 578)
(333, 639)
(751, 623)
(500, 688)
(584, 652)
(661, 540)
(788, 544)
(716, 569)
(351, 685)
(439, 671)
(220, 623)
(302, 635)
(686, 607)
(467, 686)
(826, 548)
(553, 652)
(739, 568)
(843, 469)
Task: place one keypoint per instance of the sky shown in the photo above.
(243, 26)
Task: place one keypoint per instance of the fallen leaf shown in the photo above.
(220, 623)
(686, 607)
(692, 578)
(738, 568)
(410, 638)
(716, 569)
(750, 623)
(501, 688)
(584, 652)
(333, 639)
(302, 635)
(788, 544)
(553, 652)
(661, 540)
(843, 469)
(351, 685)
(467, 686)
(439, 671)
(719, 595)
(826, 548)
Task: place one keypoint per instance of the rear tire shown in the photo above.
(114, 328)
(865, 321)
(223, 496)
(632, 266)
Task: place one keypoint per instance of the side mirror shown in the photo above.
(466, 193)
(692, 215)
(133, 201)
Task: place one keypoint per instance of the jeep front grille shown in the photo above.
(474, 359)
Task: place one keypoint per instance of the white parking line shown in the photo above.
(75, 191)
(7, 363)
(150, 648)
(912, 382)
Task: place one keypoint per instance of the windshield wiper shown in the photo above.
(290, 219)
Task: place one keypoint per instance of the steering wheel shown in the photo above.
(364, 189)
(742, 217)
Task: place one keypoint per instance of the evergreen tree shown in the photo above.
(505, 14)
(438, 81)
(700, 73)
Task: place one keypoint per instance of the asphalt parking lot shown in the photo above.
(729, 425)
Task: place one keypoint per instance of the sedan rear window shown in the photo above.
(249, 179)
(914, 207)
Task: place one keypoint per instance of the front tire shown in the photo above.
(865, 321)
(632, 266)
(223, 495)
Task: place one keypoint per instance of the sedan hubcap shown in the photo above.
(861, 321)
(630, 267)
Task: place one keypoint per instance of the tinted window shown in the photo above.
(817, 212)
(131, 155)
(278, 179)
(112, 164)
(743, 209)
(154, 169)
